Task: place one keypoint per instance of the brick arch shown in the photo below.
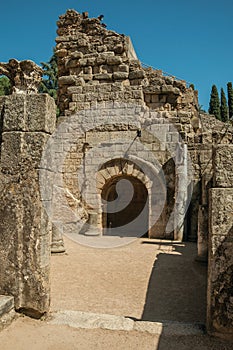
(119, 168)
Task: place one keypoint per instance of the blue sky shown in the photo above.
(192, 40)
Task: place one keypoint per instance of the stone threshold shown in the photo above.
(88, 320)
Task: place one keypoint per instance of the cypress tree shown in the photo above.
(230, 99)
(214, 106)
(224, 109)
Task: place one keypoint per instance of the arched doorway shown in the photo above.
(125, 208)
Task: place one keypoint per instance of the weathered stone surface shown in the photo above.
(67, 80)
(112, 60)
(137, 74)
(57, 243)
(88, 320)
(220, 267)
(103, 76)
(202, 245)
(22, 151)
(24, 246)
(24, 226)
(25, 76)
(6, 304)
(120, 75)
(223, 160)
(7, 312)
(29, 113)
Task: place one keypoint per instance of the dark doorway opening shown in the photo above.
(125, 209)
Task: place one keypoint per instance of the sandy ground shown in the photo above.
(28, 334)
(148, 279)
(145, 280)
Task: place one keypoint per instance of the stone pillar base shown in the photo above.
(92, 225)
(57, 244)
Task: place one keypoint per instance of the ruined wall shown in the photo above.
(214, 133)
(27, 121)
(220, 264)
(99, 65)
(98, 69)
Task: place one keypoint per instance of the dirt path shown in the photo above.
(145, 280)
(148, 279)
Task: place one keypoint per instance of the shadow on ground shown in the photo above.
(177, 286)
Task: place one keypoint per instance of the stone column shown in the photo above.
(93, 225)
(57, 244)
(27, 122)
(181, 191)
(202, 239)
(205, 163)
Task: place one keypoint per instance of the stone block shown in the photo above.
(152, 89)
(72, 63)
(67, 80)
(103, 76)
(14, 113)
(155, 98)
(123, 68)
(24, 246)
(22, 151)
(78, 97)
(137, 94)
(6, 304)
(114, 60)
(101, 60)
(147, 98)
(221, 210)
(220, 266)
(223, 166)
(10, 152)
(29, 113)
(61, 53)
(74, 90)
(120, 75)
(137, 74)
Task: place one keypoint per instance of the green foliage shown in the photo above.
(49, 82)
(214, 106)
(5, 86)
(223, 107)
(230, 99)
(201, 109)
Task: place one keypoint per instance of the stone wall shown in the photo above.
(99, 70)
(220, 266)
(99, 65)
(26, 124)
